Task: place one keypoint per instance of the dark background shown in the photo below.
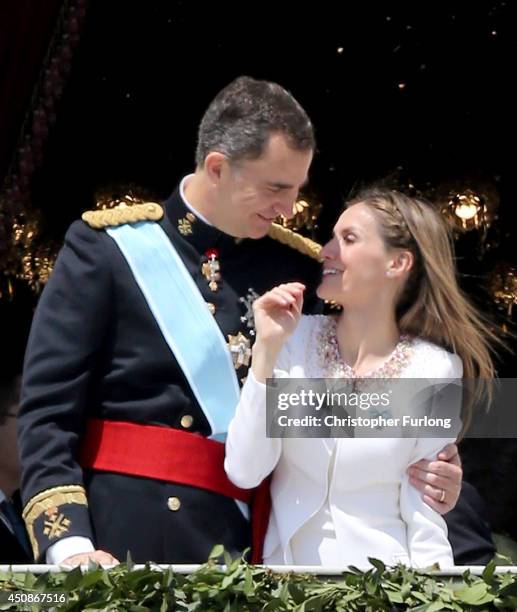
(418, 92)
(145, 72)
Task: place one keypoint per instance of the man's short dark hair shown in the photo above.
(242, 117)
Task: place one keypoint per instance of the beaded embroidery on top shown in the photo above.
(333, 365)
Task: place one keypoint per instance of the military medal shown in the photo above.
(211, 269)
(249, 317)
(240, 349)
(185, 224)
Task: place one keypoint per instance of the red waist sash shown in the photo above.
(172, 455)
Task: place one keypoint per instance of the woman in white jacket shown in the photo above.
(336, 502)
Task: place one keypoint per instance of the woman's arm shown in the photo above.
(250, 455)
(426, 529)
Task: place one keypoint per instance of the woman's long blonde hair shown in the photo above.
(432, 305)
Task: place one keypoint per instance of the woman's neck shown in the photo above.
(367, 336)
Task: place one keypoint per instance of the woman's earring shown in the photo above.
(389, 273)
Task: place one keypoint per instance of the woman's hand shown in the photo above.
(276, 314)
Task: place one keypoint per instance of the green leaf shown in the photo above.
(282, 592)
(216, 552)
(475, 595)
(297, 592)
(420, 597)
(228, 559)
(248, 583)
(510, 589)
(379, 565)
(435, 606)
(489, 571)
(29, 580)
(73, 578)
(240, 587)
(396, 597)
(129, 561)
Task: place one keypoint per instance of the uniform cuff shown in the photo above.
(56, 513)
(74, 545)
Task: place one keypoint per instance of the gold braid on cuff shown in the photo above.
(48, 502)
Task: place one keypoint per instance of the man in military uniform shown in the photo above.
(125, 391)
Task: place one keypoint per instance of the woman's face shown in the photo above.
(357, 267)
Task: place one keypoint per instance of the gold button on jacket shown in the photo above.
(186, 421)
(173, 503)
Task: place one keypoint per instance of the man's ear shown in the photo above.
(213, 166)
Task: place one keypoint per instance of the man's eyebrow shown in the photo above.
(280, 185)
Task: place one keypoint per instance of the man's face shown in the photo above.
(252, 193)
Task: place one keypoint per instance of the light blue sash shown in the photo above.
(184, 319)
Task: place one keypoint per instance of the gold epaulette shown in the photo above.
(110, 217)
(295, 241)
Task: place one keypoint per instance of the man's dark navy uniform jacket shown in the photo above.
(96, 351)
